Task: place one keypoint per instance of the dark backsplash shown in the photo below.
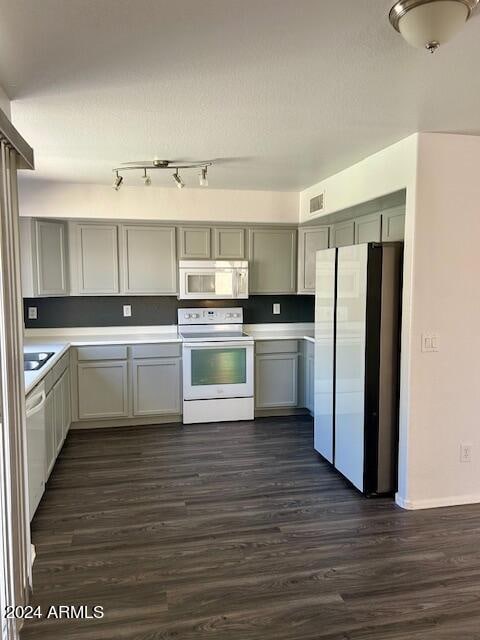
(107, 311)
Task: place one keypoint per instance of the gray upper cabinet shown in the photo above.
(97, 246)
(228, 243)
(273, 260)
(368, 228)
(194, 242)
(343, 234)
(393, 224)
(44, 259)
(149, 260)
(309, 242)
(102, 390)
(156, 386)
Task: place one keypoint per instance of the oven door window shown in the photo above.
(218, 366)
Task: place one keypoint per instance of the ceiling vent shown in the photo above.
(317, 203)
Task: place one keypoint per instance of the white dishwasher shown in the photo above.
(35, 409)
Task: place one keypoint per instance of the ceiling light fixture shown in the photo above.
(156, 163)
(203, 177)
(178, 180)
(117, 183)
(427, 24)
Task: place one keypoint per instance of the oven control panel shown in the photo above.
(212, 315)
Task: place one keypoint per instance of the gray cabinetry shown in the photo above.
(276, 374)
(156, 386)
(102, 390)
(393, 224)
(59, 413)
(50, 444)
(44, 262)
(368, 228)
(149, 260)
(309, 375)
(343, 234)
(194, 242)
(228, 243)
(272, 255)
(309, 242)
(97, 259)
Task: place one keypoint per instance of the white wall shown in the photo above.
(444, 387)
(65, 200)
(5, 103)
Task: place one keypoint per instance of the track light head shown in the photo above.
(178, 180)
(117, 183)
(204, 178)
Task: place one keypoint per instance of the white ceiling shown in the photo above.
(285, 91)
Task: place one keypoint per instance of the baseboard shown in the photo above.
(126, 422)
(273, 413)
(436, 503)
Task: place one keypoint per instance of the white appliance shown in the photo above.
(35, 410)
(218, 365)
(357, 347)
(213, 279)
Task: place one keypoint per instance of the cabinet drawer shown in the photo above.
(117, 352)
(61, 366)
(143, 351)
(277, 346)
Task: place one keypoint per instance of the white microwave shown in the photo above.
(213, 279)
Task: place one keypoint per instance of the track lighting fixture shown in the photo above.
(117, 183)
(156, 163)
(178, 180)
(203, 177)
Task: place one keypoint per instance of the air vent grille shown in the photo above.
(317, 203)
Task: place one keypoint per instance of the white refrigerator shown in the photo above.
(357, 333)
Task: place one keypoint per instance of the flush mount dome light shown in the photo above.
(427, 24)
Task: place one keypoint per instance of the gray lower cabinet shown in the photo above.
(50, 434)
(97, 259)
(156, 386)
(276, 374)
(149, 260)
(309, 377)
(273, 260)
(102, 390)
(368, 228)
(309, 242)
(343, 234)
(59, 413)
(194, 242)
(228, 243)
(393, 224)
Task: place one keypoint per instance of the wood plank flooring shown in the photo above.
(240, 532)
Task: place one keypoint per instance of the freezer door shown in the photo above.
(352, 265)
(324, 352)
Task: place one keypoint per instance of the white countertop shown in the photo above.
(60, 340)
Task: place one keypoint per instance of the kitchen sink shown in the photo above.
(35, 361)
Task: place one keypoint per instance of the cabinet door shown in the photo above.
(59, 401)
(309, 382)
(228, 244)
(50, 439)
(156, 387)
(272, 254)
(309, 242)
(149, 260)
(67, 405)
(194, 242)
(102, 390)
(276, 380)
(343, 234)
(50, 258)
(393, 224)
(97, 246)
(368, 229)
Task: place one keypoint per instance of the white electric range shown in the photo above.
(218, 365)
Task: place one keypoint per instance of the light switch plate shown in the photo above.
(276, 309)
(430, 342)
(32, 313)
(127, 311)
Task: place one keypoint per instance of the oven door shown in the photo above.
(210, 284)
(217, 370)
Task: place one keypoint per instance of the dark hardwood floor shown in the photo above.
(241, 532)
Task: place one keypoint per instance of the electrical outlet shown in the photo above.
(127, 310)
(32, 313)
(276, 309)
(466, 451)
